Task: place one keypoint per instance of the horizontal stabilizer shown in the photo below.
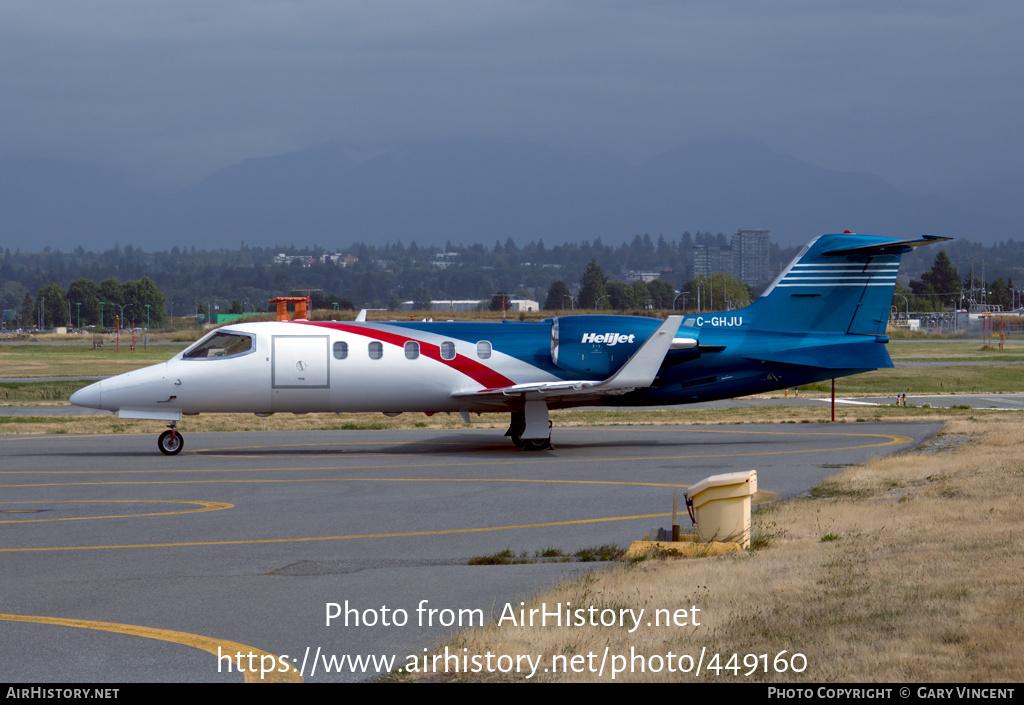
(848, 356)
(897, 247)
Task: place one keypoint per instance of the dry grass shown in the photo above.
(906, 569)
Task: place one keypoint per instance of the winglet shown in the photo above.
(362, 315)
(638, 373)
(641, 369)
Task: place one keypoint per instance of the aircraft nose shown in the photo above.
(91, 396)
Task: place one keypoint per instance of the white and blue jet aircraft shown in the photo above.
(823, 317)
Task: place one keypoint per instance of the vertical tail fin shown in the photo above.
(837, 284)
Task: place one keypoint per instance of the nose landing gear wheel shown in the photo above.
(170, 442)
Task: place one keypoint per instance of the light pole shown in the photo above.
(78, 309)
(907, 303)
(119, 319)
(598, 302)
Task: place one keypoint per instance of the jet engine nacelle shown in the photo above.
(598, 345)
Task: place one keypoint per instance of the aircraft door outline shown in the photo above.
(300, 362)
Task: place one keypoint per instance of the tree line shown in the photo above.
(189, 281)
(943, 287)
(598, 292)
(85, 303)
(381, 275)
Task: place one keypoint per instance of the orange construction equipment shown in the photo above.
(282, 307)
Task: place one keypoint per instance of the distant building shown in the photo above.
(708, 259)
(447, 305)
(522, 305)
(748, 257)
(304, 260)
(219, 318)
(444, 260)
(471, 305)
(751, 252)
(635, 275)
(342, 260)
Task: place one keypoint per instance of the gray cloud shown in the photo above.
(923, 94)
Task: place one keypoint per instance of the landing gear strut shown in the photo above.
(535, 418)
(171, 442)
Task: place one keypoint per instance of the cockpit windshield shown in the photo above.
(220, 344)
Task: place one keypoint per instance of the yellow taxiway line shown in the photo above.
(217, 647)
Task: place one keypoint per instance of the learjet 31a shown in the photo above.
(823, 317)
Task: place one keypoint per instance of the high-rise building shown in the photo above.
(708, 259)
(751, 253)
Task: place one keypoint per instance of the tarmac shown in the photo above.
(121, 565)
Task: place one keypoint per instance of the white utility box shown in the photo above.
(720, 506)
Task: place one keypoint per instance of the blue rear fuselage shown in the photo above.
(731, 357)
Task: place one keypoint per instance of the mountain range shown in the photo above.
(469, 192)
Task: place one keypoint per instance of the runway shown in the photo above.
(241, 542)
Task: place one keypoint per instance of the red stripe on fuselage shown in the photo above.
(478, 372)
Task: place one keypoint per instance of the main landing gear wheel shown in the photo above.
(516, 427)
(537, 444)
(515, 431)
(170, 442)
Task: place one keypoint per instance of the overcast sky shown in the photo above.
(923, 93)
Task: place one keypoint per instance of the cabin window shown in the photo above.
(447, 350)
(341, 350)
(412, 349)
(220, 344)
(483, 350)
(376, 350)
